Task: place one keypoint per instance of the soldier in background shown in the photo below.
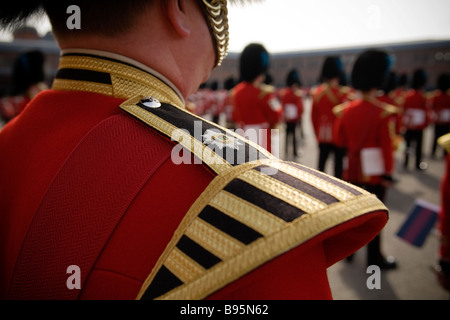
(325, 97)
(257, 109)
(292, 101)
(364, 128)
(443, 266)
(440, 108)
(416, 117)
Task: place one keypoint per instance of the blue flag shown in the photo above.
(419, 223)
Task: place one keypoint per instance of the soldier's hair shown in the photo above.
(370, 70)
(98, 17)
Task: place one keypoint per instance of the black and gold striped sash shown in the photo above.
(253, 210)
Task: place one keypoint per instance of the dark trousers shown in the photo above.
(374, 255)
(413, 137)
(325, 151)
(291, 132)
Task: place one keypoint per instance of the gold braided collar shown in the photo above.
(113, 77)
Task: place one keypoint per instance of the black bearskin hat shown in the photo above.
(370, 70)
(443, 82)
(254, 61)
(332, 68)
(293, 77)
(419, 79)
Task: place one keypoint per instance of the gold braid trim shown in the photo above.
(126, 81)
(238, 259)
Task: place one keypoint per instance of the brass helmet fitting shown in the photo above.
(217, 15)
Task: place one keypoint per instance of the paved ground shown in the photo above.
(413, 279)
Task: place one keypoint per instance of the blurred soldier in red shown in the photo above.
(364, 128)
(292, 101)
(440, 106)
(415, 119)
(325, 97)
(443, 271)
(111, 189)
(257, 109)
(388, 95)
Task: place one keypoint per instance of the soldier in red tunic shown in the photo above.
(416, 117)
(292, 101)
(440, 106)
(365, 129)
(111, 189)
(443, 271)
(325, 97)
(257, 109)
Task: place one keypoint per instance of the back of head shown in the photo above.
(292, 78)
(96, 16)
(370, 70)
(419, 79)
(332, 68)
(254, 61)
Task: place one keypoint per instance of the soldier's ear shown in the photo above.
(177, 14)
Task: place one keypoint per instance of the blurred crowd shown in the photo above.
(419, 103)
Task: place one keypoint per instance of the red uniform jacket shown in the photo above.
(256, 105)
(365, 124)
(444, 214)
(292, 102)
(99, 173)
(325, 98)
(258, 109)
(415, 111)
(397, 112)
(440, 105)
